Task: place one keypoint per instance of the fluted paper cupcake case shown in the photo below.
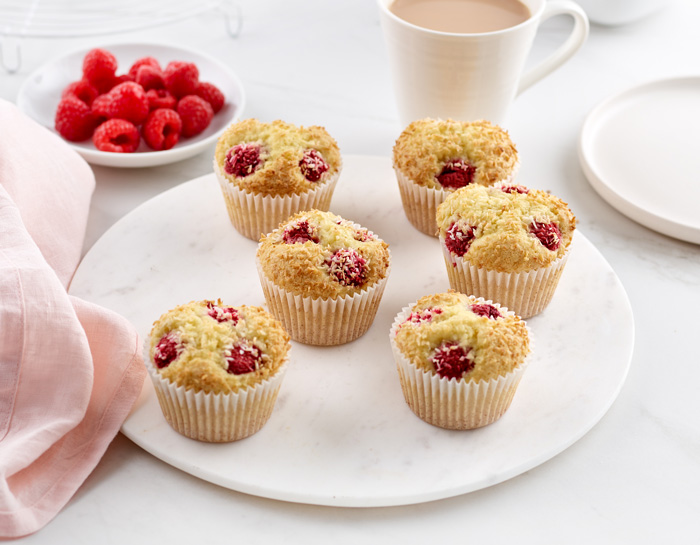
(526, 293)
(450, 403)
(323, 322)
(254, 215)
(420, 203)
(216, 418)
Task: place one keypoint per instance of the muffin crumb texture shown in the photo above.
(321, 255)
(506, 228)
(448, 154)
(276, 158)
(461, 337)
(211, 347)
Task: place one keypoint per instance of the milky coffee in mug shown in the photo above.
(461, 16)
(468, 73)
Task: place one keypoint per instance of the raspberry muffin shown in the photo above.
(460, 359)
(433, 157)
(506, 243)
(269, 171)
(323, 277)
(217, 369)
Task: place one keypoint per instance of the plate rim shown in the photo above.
(146, 158)
(640, 214)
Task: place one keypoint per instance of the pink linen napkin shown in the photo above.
(70, 371)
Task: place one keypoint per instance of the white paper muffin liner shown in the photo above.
(525, 293)
(216, 418)
(420, 203)
(323, 322)
(449, 403)
(254, 215)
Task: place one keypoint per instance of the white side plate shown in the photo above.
(341, 433)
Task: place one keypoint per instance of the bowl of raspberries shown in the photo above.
(134, 105)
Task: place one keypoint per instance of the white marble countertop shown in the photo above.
(634, 478)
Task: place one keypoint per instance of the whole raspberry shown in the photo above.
(347, 267)
(300, 232)
(547, 233)
(452, 361)
(244, 358)
(167, 349)
(515, 189)
(149, 77)
(81, 89)
(181, 78)
(243, 159)
(420, 316)
(162, 129)
(143, 61)
(99, 68)
(160, 98)
(196, 114)
(126, 101)
(74, 120)
(456, 173)
(212, 94)
(459, 238)
(313, 165)
(117, 135)
(487, 310)
(222, 314)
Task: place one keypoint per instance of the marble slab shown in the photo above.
(341, 433)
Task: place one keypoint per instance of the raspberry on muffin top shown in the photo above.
(276, 158)
(215, 348)
(448, 154)
(458, 336)
(321, 255)
(505, 227)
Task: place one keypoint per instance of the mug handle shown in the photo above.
(567, 50)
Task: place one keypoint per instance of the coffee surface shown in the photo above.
(461, 16)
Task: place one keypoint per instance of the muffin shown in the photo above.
(433, 157)
(269, 171)
(217, 369)
(460, 359)
(323, 277)
(506, 243)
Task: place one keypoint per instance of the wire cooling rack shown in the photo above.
(20, 19)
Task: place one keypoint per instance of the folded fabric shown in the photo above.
(70, 370)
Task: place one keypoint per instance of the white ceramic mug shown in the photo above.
(471, 76)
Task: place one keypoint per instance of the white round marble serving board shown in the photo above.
(341, 433)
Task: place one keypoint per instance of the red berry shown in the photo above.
(81, 89)
(116, 135)
(181, 78)
(144, 61)
(300, 232)
(126, 101)
(99, 68)
(456, 173)
(74, 120)
(347, 267)
(212, 94)
(425, 315)
(452, 361)
(149, 77)
(458, 238)
(196, 114)
(487, 310)
(313, 165)
(242, 160)
(160, 98)
(244, 358)
(162, 129)
(515, 189)
(547, 233)
(167, 349)
(222, 314)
